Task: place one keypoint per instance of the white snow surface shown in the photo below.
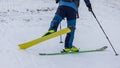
(25, 20)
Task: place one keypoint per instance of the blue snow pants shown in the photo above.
(70, 14)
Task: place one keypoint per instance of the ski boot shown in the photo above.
(73, 49)
(49, 32)
(66, 50)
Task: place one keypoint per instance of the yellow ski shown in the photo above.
(42, 39)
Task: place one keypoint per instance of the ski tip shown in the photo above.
(21, 47)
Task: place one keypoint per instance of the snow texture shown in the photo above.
(25, 20)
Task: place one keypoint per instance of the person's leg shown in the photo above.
(55, 22)
(60, 14)
(70, 36)
(71, 22)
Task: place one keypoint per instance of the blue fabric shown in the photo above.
(63, 12)
(69, 4)
(66, 10)
(70, 14)
(72, 4)
(55, 22)
(70, 36)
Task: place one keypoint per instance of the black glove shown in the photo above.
(57, 1)
(89, 7)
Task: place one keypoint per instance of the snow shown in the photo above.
(24, 20)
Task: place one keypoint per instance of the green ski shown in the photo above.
(82, 51)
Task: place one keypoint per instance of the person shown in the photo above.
(67, 9)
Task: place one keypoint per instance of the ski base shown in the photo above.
(84, 51)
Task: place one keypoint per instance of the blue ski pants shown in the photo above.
(70, 14)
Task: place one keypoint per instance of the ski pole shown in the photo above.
(104, 33)
(61, 35)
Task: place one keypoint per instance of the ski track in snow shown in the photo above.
(22, 21)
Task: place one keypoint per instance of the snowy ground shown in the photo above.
(22, 21)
